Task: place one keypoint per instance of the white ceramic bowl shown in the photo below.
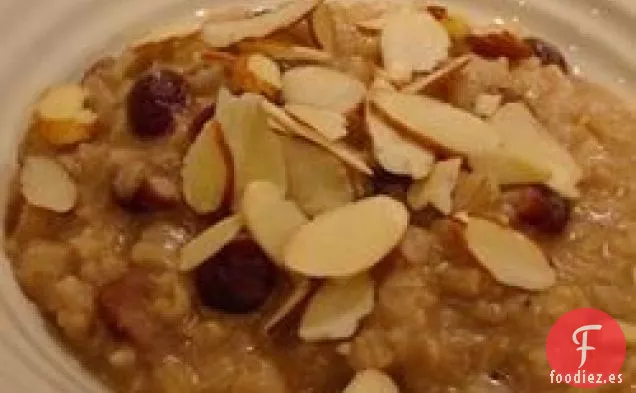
(44, 41)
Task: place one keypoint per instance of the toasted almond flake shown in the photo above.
(62, 118)
(438, 188)
(206, 171)
(508, 255)
(437, 124)
(270, 218)
(343, 152)
(302, 288)
(256, 73)
(323, 88)
(329, 124)
(487, 105)
(629, 330)
(395, 153)
(283, 51)
(524, 137)
(422, 82)
(256, 149)
(412, 42)
(46, 184)
(336, 309)
(348, 240)
(173, 31)
(209, 242)
(221, 34)
(318, 180)
(506, 167)
(371, 381)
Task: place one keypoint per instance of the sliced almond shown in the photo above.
(173, 31)
(348, 240)
(487, 105)
(301, 290)
(46, 184)
(258, 74)
(629, 330)
(336, 309)
(221, 34)
(270, 218)
(508, 255)
(323, 88)
(524, 137)
(507, 168)
(371, 381)
(331, 125)
(395, 153)
(422, 82)
(209, 242)
(438, 188)
(437, 124)
(207, 171)
(343, 152)
(286, 52)
(62, 117)
(412, 42)
(318, 180)
(256, 149)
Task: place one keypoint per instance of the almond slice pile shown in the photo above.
(62, 118)
(337, 308)
(508, 255)
(46, 184)
(297, 147)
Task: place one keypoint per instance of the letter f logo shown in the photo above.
(583, 343)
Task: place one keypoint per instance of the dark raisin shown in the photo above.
(153, 100)
(204, 115)
(502, 44)
(548, 53)
(238, 279)
(386, 183)
(539, 207)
